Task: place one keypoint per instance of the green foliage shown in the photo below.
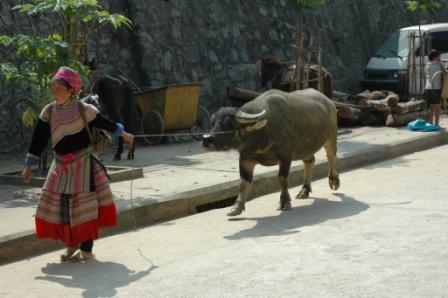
(74, 20)
(423, 4)
(36, 52)
(29, 117)
(38, 57)
(304, 7)
(73, 11)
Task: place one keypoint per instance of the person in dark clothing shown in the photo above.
(76, 198)
(433, 88)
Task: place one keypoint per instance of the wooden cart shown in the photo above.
(172, 108)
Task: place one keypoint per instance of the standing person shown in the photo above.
(433, 87)
(76, 198)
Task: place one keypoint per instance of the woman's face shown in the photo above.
(60, 92)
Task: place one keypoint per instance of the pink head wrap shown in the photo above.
(70, 76)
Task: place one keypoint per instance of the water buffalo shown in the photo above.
(274, 129)
(281, 75)
(116, 101)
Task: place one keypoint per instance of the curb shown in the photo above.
(22, 245)
(117, 173)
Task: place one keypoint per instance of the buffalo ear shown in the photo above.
(258, 125)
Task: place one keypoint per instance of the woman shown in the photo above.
(76, 198)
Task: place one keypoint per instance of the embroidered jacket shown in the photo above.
(64, 125)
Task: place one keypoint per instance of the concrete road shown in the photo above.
(383, 234)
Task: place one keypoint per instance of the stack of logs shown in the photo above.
(379, 108)
(365, 108)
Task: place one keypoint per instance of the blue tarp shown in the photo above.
(422, 125)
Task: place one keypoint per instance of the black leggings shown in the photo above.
(86, 245)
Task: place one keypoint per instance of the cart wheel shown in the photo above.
(202, 124)
(152, 123)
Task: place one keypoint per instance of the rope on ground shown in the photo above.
(202, 133)
(180, 134)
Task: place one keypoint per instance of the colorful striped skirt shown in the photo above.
(75, 216)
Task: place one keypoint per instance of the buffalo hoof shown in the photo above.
(334, 183)
(286, 206)
(304, 193)
(234, 211)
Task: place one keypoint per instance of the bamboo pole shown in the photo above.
(414, 75)
(408, 70)
(299, 61)
(307, 66)
(319, 70)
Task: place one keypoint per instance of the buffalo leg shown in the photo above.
(131, 152)
(333, 176)
(306, 188)
(119, 149)
(285, 199)
(246, 174)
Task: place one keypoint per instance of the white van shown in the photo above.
(394, 68)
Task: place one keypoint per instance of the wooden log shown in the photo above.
(403, 119)
(373, 118)
(364, 98)
(365, 95)
(345, 112)
(349, 114)
(410, 106)
(243, 94)
(365, 102)
(392, 100)
(377, 95)
(339, 104)
(380, 105)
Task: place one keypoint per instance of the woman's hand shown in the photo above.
(127, 138)
(26, 174)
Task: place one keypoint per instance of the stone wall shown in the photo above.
(220, 42)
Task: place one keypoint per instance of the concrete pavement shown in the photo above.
(182, 179)
(383, 234)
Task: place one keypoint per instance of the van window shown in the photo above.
(397, 45)
(439, 41)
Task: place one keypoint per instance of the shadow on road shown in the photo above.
(288, 222)
(402, 161)
(98, 279)
(159, 155)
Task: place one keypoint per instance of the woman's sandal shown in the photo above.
(70, 251)
(82, 256)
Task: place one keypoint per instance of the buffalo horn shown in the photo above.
(242, 117)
